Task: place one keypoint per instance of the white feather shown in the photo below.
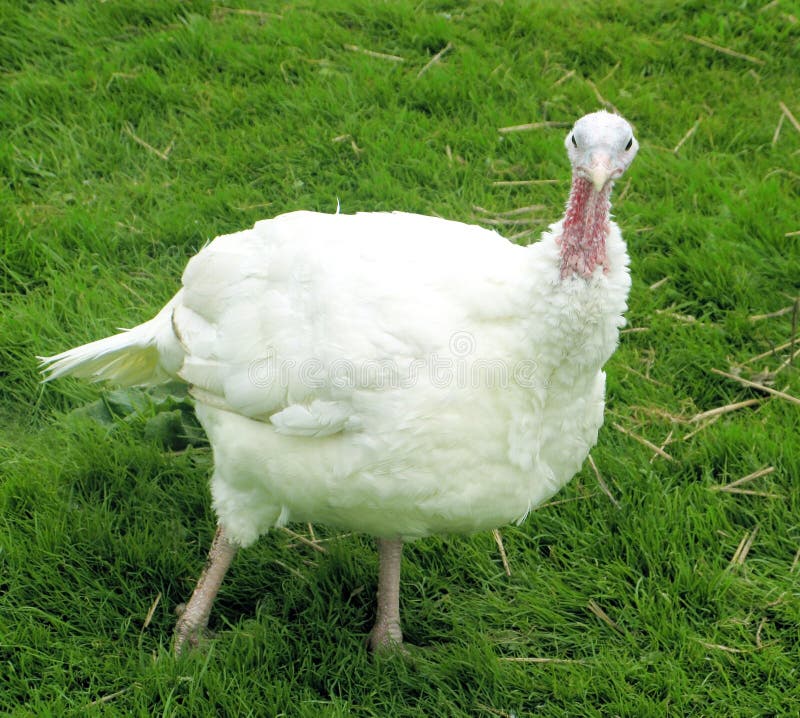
(385, 372)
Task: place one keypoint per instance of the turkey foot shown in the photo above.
(386, 634)
(194, 617)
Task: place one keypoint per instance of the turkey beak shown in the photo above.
(600, 170)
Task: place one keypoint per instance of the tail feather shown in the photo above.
(120, 358)
(149, 353)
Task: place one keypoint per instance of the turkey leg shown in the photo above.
(194, 618)
(386, 633)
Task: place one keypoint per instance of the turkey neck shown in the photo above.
(583, 236)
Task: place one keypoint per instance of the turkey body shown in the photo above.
(395, 374)
(389, 373)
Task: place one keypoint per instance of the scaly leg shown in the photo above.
(386, 633)
(194, 618)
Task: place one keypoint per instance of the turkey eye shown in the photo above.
(629, 145)
(574, 141)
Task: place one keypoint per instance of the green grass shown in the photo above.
(98, 522)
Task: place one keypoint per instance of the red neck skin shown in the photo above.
(583, 238)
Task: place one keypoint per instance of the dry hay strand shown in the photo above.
(374, 53)
(789, 116)
(702, 427)
(311, 543)
(532, 126)
(689, 133)
(219, 11)
(720, 647)
(436, 58)
(771, 352)
(743, 549)
(777, 133)
(726, 409)
(644, 442)
(760, 387)
(526, 183)
(664, 444)
(604, 617)
(602, 100)
(162, 154)
(530, 209)
(151, 612)
(735, 486)
(724, 50)
(564, 78)
(498, 538)
(602, 483)
(539, 659)
(778, 313)
(796, 561)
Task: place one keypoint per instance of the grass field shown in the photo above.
(135, 130)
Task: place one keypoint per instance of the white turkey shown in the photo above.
(389, 373)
